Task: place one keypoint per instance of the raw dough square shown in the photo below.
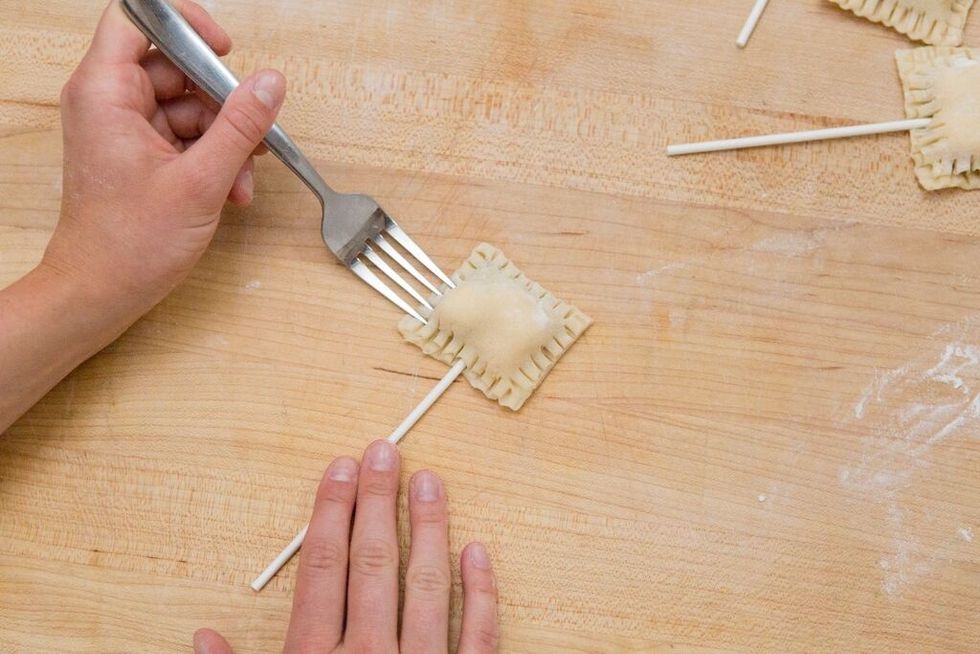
(508, 329)
(943, 84)
(939, 22)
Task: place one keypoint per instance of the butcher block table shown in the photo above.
(768, 441)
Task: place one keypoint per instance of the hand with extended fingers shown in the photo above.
(347, 587)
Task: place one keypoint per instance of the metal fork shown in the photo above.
(352, 224)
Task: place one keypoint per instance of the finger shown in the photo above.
(478, 634)
(317, 621)
(235, 133)
(160, 123)
(425, 618)
(243, 189)
(187, 116)
(193, 117)
(208, 101)
(213, 106)
(117, 40)
(208, 641)
(372, 590)
(183, 145)
(202, 22)
(167, 79)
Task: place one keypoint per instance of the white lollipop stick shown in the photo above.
(287, 553)
(750, 23)
(427, 402)
(395, 436)
(798, 137)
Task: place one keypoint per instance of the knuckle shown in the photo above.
(91, 82)
(128, 76)
(379, 485)
(324, 556)
(487, 637)
(427, 580)
(308, 646)
(73, 89)
(485, 587)
(111, 80)
(369, 644)
(335, 493)
(374, 557)
(490, 590)
(429, 516)
(246, 122)
(205, 118)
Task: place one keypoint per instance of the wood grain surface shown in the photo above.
(767, 442)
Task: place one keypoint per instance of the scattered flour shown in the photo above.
(874, 390)
(955, 357)
(906, 413)
(215, 341)
(790, 244)
(677, 317)
(649, 275)
(908, 561)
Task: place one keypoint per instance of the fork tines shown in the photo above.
(370, 255)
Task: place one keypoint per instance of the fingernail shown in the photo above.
(381, 456)
(426, 487)
(202, 644)
(478, 556)
(269, 88)
(342, 470)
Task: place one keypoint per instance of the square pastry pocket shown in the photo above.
(508, 330)
(938, 22)
(943, 84)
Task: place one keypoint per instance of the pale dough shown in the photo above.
(939, 22)
(943, 84)
(508, 330)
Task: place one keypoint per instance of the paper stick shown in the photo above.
(395, 436)
(750, 22)
(798, 137)
(280, 560)
(427, 402)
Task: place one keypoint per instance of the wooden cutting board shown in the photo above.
(767, 442)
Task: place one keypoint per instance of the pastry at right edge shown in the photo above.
(937, 22)
(943, 84)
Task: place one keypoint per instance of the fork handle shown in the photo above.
(172, 34)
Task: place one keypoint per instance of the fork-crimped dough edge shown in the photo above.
(917, 69)
(514, 390)
(942, 27)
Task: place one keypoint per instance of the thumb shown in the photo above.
(244, 119)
